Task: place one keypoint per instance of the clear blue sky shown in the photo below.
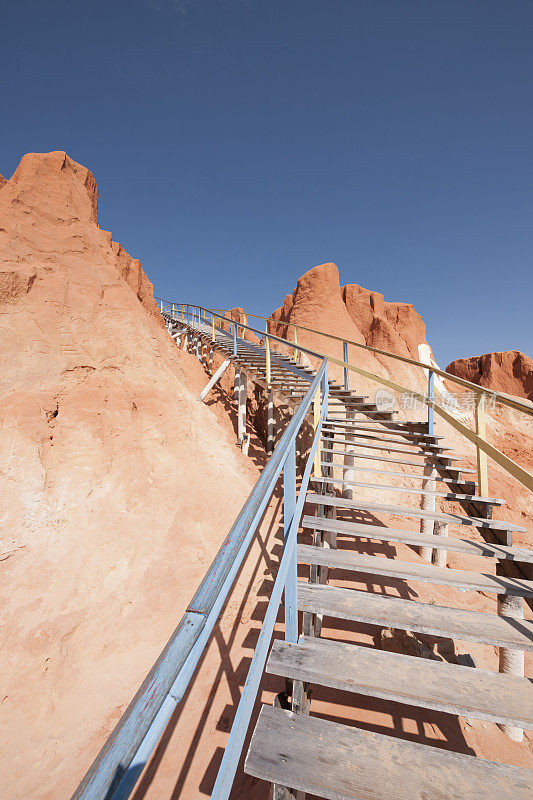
(237, 143)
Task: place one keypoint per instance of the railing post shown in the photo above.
(267, 363)
(295, 352)
(161, 303)
(235, 339)
(431, 396)
(511, 661)
(289, 505)
(482, 472)
(316, 419)
(346, 373)
(270, 421)
(212, 327)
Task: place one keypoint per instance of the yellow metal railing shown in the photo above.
(483, 448)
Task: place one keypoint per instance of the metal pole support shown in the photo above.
(431, 396)
(270, 421)
(511, 661)
(482, 471)
(289, 505)
(346, 372)
(268, 367)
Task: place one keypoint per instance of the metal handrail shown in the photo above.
(286, 581)
(236, 325)
(483, 447)
(501, 397)
(123, 757)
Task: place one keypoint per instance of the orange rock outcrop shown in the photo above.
(354, 314)
(510, 371)
(107, 468)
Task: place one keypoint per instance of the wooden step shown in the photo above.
(356, 425)
(371, 412)
(450, 688)
(407, 571)
(386, 445)
(361, 531)
(338, 762)
(427, 457)
(362, 433)
(471, 498)
(417, 513)
(407, 475)
(383, 416)
(430, 458)
(408, 615)
(391, 425)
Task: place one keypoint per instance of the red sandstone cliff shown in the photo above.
(64, 196)
(359, 315)
(107, 469)
(510, 372)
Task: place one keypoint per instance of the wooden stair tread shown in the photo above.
(356, 425)
(338, 762)
(387, 445)
(395, 612)
(372, 457)
(407, 475)
(422, 682)
(425, 456)
(465, 546)
(406, 570)
(405, 511)
(471, 498)
(359, 433)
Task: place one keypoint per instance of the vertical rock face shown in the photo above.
(358, 315)
(107, 469)
(395, 327)
(510, 371)
(50, 196)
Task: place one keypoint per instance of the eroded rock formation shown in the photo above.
(107, 463)
(510, 371)
(358, 315)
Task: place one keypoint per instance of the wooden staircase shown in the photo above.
(300, 753)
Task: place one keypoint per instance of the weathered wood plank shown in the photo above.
(407, 475)
(360, 530)
(359, 426)
(425, 456)
(372, 457)
(450, 688)
(405, 570)
(471, 498)
(407, 615)
(424, 448)
(338, 762)
(384, 508)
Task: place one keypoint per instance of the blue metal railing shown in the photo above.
(118, 766)
(188, 315)
(285, 582)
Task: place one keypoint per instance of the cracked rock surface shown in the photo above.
(107, 461)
